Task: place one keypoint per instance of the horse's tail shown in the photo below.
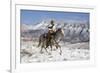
(39, 41)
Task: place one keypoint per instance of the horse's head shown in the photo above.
(60, 31)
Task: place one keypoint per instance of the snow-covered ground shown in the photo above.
(74, 45)
(31, 53)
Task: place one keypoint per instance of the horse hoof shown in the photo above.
(49, 53)
(41, 52)
(54, 49)
(30, 55)
(60, 53)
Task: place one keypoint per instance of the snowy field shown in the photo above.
(74, 45)
(70, 52)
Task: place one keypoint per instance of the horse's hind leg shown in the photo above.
(41, 50)
(51, 46)
(42, 46)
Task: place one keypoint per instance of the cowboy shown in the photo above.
(51, 31)
(51, 27)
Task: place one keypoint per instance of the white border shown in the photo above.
(17, 67)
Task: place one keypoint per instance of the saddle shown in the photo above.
(50, 36)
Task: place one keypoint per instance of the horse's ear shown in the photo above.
(62, 32)
(64, 25)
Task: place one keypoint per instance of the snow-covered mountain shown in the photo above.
(44, 24)
(74, 30)
(25, 27)
(41, 25)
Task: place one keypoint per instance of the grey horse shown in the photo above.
(54, 41)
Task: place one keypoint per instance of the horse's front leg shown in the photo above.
(51, 43)
(58, 46)
(41, 51)
(47, 51)
(47, 46)
(60, 50)
(51, 47)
